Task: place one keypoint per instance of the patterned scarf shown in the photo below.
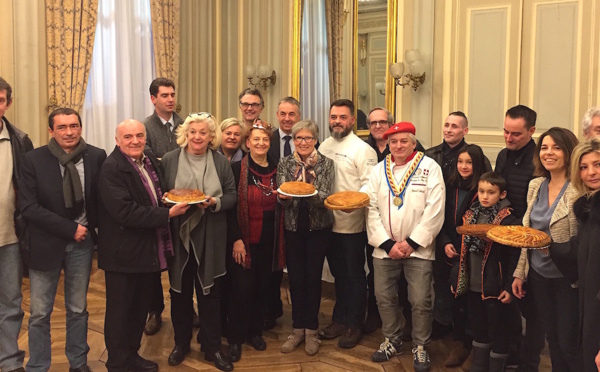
(304, 171)
(474, 243)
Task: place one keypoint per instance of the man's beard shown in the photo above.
(340, 135)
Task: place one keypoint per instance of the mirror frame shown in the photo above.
(296, 47)
(390, 56)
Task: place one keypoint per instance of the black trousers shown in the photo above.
(305, 254)
(157, 299)
(274, 305)
(346, 258)
(209, 310)
(534, 340)
(443, 304)
(128, 298)
(558, 304)
(488, 321)
(247, 301)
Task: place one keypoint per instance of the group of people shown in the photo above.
(62, 199)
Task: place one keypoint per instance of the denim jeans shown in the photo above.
(77, 266)
(11, 314)
(418, 274)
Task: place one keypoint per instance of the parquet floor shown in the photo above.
(157, 347)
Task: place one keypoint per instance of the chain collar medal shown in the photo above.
(399, 190)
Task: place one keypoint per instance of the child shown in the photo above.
(484, 274)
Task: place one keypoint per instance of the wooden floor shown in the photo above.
(158, 347)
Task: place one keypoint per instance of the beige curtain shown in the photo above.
(71, 26)
(334, 16)
(165, 35)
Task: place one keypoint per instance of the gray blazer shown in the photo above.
(211, 251)
(159, 140)
(320, 217)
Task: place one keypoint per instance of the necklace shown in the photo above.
(266, 190)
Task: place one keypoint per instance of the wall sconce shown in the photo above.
(262, 76)
(416, 76)
(363, 49)
(363, 94)
(380, 88)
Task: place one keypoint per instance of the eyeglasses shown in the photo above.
(381, 123)
(245, 105)
(303, 139)
(203, 115)
(259, 124)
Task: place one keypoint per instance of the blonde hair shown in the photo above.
(230, 122)
(579, 152)
(202, 117)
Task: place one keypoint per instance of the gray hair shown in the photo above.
(203, 117)
(290, 100)
(411, 136)
(588, 116)
(230, 122)
(308, 125)
(390, 117)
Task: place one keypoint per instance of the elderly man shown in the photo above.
(353, 160)
(251, 104)
(378, 121)
(13, 146)
(58, 198)
(405, 214)
(591, 123)
(134, 244)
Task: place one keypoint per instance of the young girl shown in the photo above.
(484, 275)
(461, 192)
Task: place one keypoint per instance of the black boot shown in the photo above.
(481, 357)
(497, 362)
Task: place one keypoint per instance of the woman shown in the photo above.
(198, 236)
(585, 174)
(552, 275)
(460, 194)
(232, 140)
(307, 233)
(258, 246)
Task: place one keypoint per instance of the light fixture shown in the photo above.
(380, 88)
(262, 76)
(363, 94)
(416, 76)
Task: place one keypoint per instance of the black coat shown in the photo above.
(588, 215)
(453, 217)
(517, 174)
(128, 221)
(449, 165)
(42, 203)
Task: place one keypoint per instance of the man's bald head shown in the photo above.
(131, 138)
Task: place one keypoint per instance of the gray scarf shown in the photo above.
(72, 189)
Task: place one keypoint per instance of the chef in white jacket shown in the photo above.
(405, 214)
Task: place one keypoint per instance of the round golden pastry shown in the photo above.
(347, 200)
(185, 196)
(297, 188)
(519, 237)
(478, 230)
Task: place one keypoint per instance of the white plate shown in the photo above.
(194, 202)
(298, 196)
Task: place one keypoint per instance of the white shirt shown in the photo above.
(170, 121)
(422, 213)
(353, 159)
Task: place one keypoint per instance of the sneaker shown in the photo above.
(332, 331)
(311, 342)
(421, 362)
(350, 338)
(293, 341)
(386, 350)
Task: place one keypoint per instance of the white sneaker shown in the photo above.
(421, 361)
(386, 350)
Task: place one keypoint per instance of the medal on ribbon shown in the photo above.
(396, 189)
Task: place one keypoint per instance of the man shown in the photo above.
(160, 139)
(58, 198)
(353, 160)
(591, 123)
(456, 127)
(288, 114)
(378, 121)
(515, 164)
(161, 125)
(251, 104)
(13, 146)
(134, 243)
(406, 212)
